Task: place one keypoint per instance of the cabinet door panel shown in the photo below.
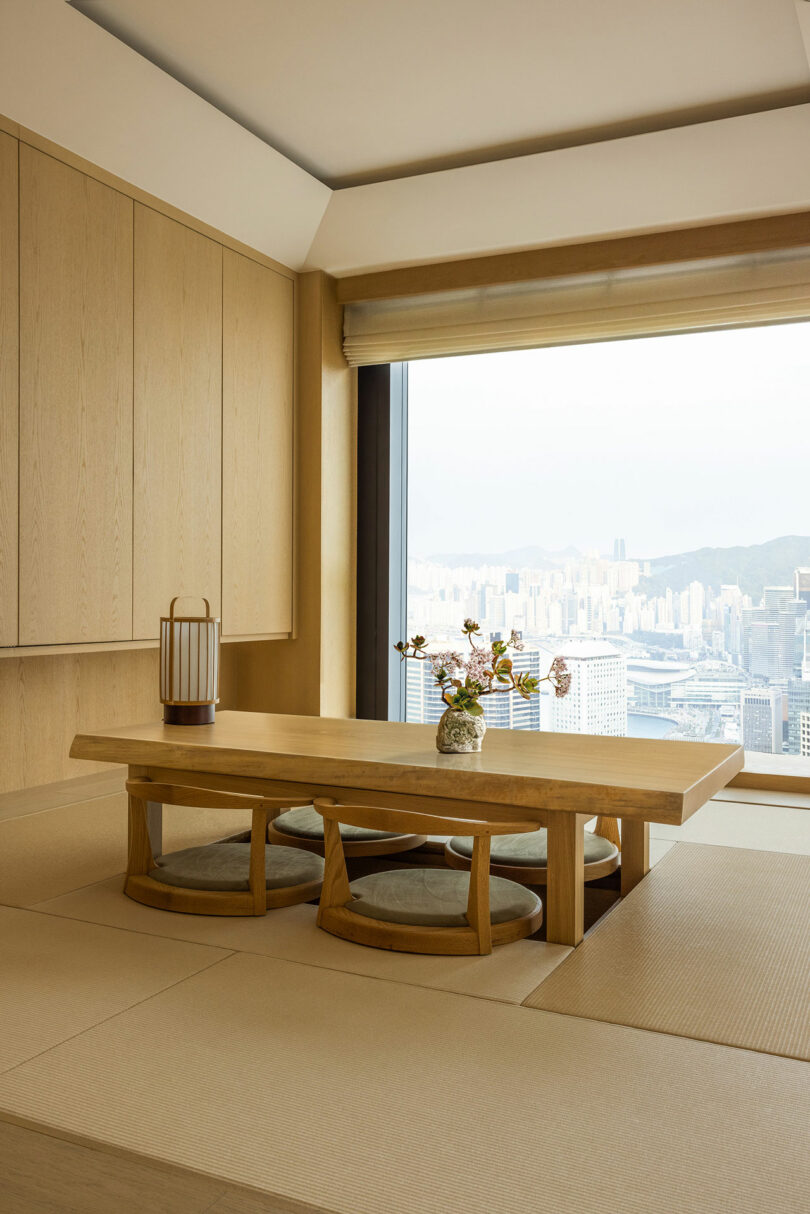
(257, 457)
(9, 429)
(178, 417)
(75, 406)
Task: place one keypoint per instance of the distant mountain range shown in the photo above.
(518, 558)
(754, 566)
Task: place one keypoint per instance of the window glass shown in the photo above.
(639, 507)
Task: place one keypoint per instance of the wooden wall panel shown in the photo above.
(45, 701)
(257, 448)
(75, 406)
(178, 417)
(314, 673)
(9, 402)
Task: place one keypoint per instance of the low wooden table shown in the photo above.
(560, 780)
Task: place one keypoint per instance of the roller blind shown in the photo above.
(753, 289)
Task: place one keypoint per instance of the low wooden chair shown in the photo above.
(228, 878)
(522, 858)
(423, 910)
(303, 827)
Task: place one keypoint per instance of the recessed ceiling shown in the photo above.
(364, 90)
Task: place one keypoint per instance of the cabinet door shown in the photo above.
(9, 435)
(178, 418)
(75, 406)
(257, 456)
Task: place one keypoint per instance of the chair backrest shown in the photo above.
(402, 821)
(206, 798)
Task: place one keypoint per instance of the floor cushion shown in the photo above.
(435, 897)
(226, 866)
(531, 850)
(307, 823)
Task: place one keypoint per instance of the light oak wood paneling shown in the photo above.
(9, 399)
(257, 440)
(75, 406)
(178, 417)
(44, 700)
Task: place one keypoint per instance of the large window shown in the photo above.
(640, 507)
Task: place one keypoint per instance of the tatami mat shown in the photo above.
(58, 977)
(743, 824)
(377, 1098)
(48, 853)
(510, 973)
(714, 944)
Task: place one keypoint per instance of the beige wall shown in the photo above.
(314, 673)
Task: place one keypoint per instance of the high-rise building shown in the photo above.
(619, 550)
(801, 585)
(597, 700)
(798, 704)
(512, 583)
(761, 719)
(804, 735)
(773, 635)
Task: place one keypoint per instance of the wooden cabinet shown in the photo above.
(178, 417)
(146, 415)
(257, 448)
(8, 389)
(75, 442)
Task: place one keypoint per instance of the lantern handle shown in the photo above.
(188, 596)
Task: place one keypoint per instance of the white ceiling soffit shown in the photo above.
(735, 168)
(69, 80)
(364, 90)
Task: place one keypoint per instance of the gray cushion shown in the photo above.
(226, 866)
(435, 897)
(531, 850)
(307, 823)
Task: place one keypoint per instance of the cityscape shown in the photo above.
(651, 654)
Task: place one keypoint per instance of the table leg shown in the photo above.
(565, 889)
(635, 852)
(154, 822)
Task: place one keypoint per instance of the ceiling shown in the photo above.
(365, 90)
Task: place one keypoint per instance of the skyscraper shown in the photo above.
(597, 701)
(798, 705)
(761, 719)
(801, 585)
(619, 550)
(804, 735)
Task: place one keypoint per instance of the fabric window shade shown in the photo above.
(728, 292)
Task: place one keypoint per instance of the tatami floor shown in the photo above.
(151, 1061)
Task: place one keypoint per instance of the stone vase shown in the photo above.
(459, 732)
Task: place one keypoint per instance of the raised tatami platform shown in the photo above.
(163, 1058)
(713, 944)
(369, 1097)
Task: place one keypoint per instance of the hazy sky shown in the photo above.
(674, 443)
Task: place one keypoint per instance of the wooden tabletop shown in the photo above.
(629, 777)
